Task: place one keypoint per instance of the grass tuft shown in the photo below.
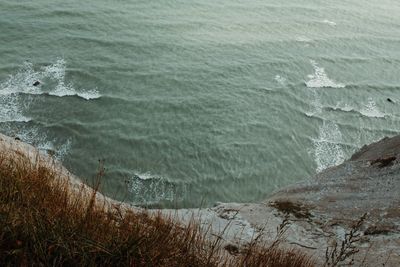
(44, 222)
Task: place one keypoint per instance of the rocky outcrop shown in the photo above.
(353, 208)
(350, 212)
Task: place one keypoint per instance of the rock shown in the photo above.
(232, 249)
(360, 196)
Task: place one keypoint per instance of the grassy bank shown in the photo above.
(44, 223)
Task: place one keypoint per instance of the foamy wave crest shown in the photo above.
(57, 71)
(331, 23)
(303, 39)
(345, 107)
(327, 146)
(58, 151)
(320, 79)
(23, 80)
(10, 110)
(149, 188)
(281, 80)
(327, 149)
(38, 138)
(316, 104)
(371, 110)
(11, 107)
(65, 90)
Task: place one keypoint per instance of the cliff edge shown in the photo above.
(347, 214)
(350, 212)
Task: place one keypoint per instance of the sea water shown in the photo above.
(192, 102)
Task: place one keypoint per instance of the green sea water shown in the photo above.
(189, 103)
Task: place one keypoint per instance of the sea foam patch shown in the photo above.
(39, 138)
(327, 148)
(303, 39)
(29, 81)
(368, 109)
(10, 110)
(280, 80)
(371, 110)
(24, 82)
(56, 72)
(329, 22)
(14, 106)
(149, 188)
(320, 79)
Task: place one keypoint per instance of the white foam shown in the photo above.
(327, 149)
(315, 103)
(22, 82)
(12, 107)
(50, 147)
(149, 188)
(320, 79)
(303, 39)
(345, 107)
(281, 80)
(331, 23)
(62, 90)
(36, 137)
(10, 110)
(371, 110)
(90, 94)
(327, 146)
(57, 71)
(146, 176)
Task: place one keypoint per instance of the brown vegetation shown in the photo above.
(384, 162)
(336, 254)
(288, 207)
(44, 223)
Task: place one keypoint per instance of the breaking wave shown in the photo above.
(320, 79)
(23, 82)
(14, 107)
(39, 138)
(329, 22)
(327, 149)
(327, 146)
(280, 80)
(149, 188)
(10, 110)
(369, 109)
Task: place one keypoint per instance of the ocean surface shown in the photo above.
(189, 103)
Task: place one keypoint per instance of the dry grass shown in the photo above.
(297, 209)
(336, 254)
(43, 223)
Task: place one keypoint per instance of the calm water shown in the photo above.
(193, 102)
